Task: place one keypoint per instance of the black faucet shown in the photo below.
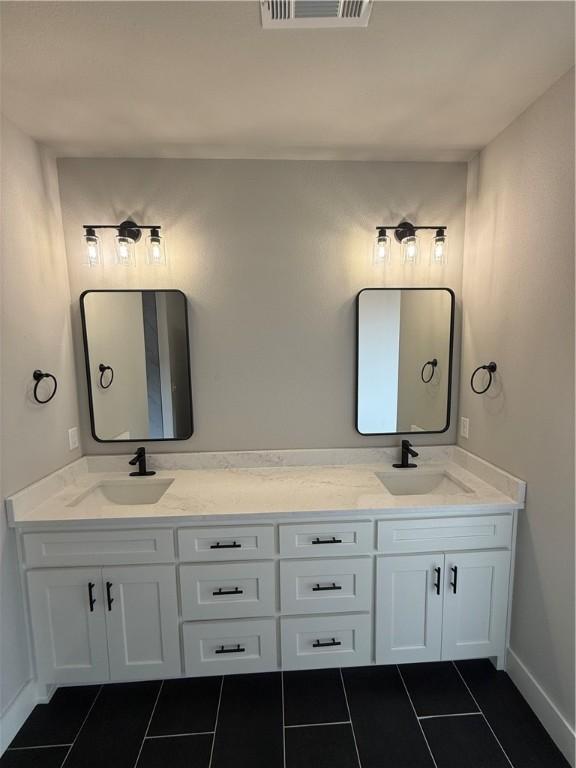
(140, 459)
(407, 451)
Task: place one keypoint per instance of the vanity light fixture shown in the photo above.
(128, 234)
(93, 256)
(438, 252)
(156, 251)
(406, 234)
(382, 247)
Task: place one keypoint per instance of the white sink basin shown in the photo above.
(410, 482)
(127, 491)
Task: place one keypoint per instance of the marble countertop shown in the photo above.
(219, 486)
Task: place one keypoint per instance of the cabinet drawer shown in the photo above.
(227, 590)
(445, 534)
(326, 539)
(326, 641)
(326, 586)
(99, 547)
(226, 543)
(222, 647)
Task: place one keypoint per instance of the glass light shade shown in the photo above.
(381, 254)
(410, 250)
(125, 256)
(92, 252)
(439, 250)
(155, 250)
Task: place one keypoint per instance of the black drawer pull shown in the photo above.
(454, 584)
(333, 540)
(328, 644)
(437, 571)
(91, 598)
(235, 649)
(218, 545)
(328, 588)
(109, 597)
(234, 591)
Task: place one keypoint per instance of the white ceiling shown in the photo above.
(425, 80)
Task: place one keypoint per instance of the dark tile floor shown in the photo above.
(444, 715)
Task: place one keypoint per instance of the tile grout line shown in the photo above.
(82, 726)
(39, 746)
(216, 723)
(453, 714)
(149, 723)
(178, 735)
(416, 716)
(319, 725)
(482, 713)
(283, 719)
(350, 717)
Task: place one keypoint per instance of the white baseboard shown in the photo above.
(15, 715)
(560, 730)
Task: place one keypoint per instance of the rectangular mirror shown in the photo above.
(137, 353)
(404, 360)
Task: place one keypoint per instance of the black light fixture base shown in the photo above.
(403, 230)
(130, 229)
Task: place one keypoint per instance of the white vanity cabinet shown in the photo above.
(443, 605)
(97, 624)
(256, 596)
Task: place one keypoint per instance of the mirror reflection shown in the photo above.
(137, 362)
(404, 360)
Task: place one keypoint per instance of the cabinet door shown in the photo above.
(142, 621)
(68, 624)
(475, 604)
(409, 608)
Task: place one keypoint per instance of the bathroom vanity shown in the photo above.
(231, 563)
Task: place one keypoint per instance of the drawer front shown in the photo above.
(445, 534)
(326, 586)
(226, 543)
(326, 641)
(227, 590)
(99, 547)
(230, 647)
(326, 539)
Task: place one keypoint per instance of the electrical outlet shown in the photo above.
(73, 438)
(464, 427)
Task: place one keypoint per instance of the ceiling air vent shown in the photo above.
(314, 14)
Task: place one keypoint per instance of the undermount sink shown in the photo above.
(414, 483)
(127, 491)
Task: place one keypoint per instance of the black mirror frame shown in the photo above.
(87, 364)
(450, 359)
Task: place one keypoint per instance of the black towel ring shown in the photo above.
(38, 375)
(103, 368)
(432, 363)
(491, 368)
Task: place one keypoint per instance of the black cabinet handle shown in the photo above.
(328, 644)
(333, 540)
(454, 584)
(437, 571)
(235, 649)
(329, 588)
(218, 545)
(109, 598)
(234, 591)
(91, 598)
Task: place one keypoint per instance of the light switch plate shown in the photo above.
(464, 427)
(73, 438)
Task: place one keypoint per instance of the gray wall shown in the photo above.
(271, 255)
(518, 309)
(35, 333)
